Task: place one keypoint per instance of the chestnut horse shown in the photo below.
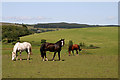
(74, 47)
(52, 47)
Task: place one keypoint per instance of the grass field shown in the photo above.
(92, 63)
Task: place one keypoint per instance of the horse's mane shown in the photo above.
(58, 42)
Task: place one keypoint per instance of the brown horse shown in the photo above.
(52, 47)
(74, 47)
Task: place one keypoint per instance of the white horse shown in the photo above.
(20, 47)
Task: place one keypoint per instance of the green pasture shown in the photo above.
(104, 37)
(90, 63)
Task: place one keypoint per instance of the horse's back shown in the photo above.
(27, 44)
(75, 46)
(23, 45)
(45, 45)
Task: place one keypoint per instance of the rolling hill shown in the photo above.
(90, 63)
(104, 37)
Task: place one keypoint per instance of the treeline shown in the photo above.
(69, 25)
(11, 33)
(60, 25)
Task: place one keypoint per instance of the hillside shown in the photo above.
(104, 37)
(101, 62)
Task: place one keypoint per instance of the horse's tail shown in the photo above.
(31, 50)
(79, 48)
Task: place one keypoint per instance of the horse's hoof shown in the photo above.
(53, 60)
(43, 60)
(46, 59)
(77, 55)
(60, 60)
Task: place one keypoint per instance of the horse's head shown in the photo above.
(62, 42)
(13, 55)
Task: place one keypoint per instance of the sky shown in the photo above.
(97, 13)
(59, 0)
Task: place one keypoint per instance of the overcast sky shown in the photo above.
(72, 12)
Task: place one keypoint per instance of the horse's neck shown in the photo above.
(58, 43)
(15, 50)
(15, 47)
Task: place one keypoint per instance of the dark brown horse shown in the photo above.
(52, 47)
(74, 47)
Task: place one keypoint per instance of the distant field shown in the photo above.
(92, 63)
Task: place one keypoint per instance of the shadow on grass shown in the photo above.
(93, 47)
(85, 53)
(56, 60)
(25, 59)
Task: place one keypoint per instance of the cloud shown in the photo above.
(23, 18)
(111, 17)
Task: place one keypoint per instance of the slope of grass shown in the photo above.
(104, 37)
(92, 63)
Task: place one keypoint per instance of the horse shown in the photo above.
(52, 47)
(20, 47)
(74, 47)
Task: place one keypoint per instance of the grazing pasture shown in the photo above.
(90, 63)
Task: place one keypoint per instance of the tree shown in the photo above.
(70, 43)
(43, 41)
(12, 33)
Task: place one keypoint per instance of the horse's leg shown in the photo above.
(69, 52)
(28, 57)
(79, 48)
(77, 52)
(73, 52)
(20, 55)
(43, 57)
(46, 57)
(54, 56)
(43, 54)
(28, 53)
(59, 55)
(16, 56)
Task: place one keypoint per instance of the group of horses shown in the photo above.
(52, 47)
